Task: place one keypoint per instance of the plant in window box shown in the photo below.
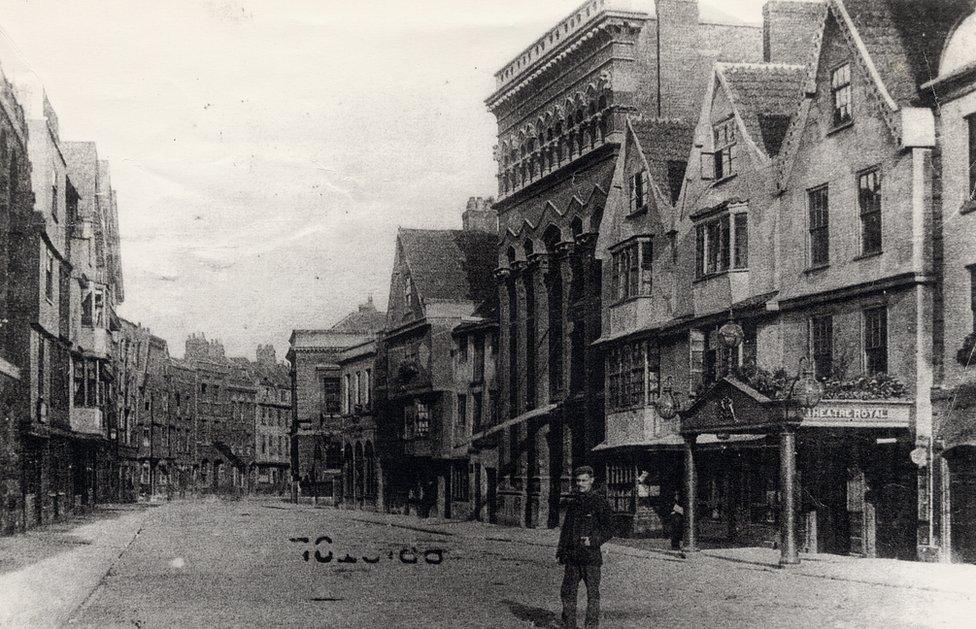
(879, 386)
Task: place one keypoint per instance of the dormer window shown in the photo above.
(840, 90)
(639, 187)
(721, 164)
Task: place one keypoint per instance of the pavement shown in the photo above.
(250, 563)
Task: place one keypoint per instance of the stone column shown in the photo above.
(691, 495)
(545, 482)
(522, 346)
(787, 480)
(541, 267)
(380, 498)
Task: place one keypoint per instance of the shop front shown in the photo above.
(830, 476)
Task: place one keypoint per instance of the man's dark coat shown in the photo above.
(587, 515)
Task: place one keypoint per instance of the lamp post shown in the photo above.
(805, 392)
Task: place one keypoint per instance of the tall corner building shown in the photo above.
(561, 107)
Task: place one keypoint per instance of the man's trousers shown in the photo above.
(590, 575)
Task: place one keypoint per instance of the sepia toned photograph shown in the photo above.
(488, 314)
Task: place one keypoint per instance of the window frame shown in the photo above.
(720, 245)
(971, 124)
(821, 229)
(822, 344)
(838, 89)
(639, 188)
(632, 273)
(723, 148)
(868, 212)
(866, 341)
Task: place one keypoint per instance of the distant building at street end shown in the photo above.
(316, 422)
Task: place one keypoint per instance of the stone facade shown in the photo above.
(561, 108)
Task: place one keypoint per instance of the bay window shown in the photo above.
(633, 374)
(633, 263)
(722, 243)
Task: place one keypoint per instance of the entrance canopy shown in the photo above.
(730, 406)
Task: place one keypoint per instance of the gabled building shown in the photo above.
(561, 107)
(803, 234)
(439, 278)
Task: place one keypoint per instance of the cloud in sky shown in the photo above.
(264, 153)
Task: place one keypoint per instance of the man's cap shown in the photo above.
(583, 469)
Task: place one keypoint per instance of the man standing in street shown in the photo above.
(586, 526)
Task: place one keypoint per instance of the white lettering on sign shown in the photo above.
(848, 413)
(858, 415)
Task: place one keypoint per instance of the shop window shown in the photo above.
(818, 204)
(633, 265)
(876, 340)
(639, 188)
(869, 203)
(822, 345)
(422, 422)
(840, 90)
(460, 482)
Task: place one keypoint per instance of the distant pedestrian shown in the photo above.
(676, 521)
(587, 525)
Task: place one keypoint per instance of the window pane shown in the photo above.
(741, 241)
(876, 340)
(869, 202)
(821, 339)
(647, 261)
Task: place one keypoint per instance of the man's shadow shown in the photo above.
(536, 615)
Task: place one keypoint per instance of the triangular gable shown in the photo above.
(731, 406)
(574, 202)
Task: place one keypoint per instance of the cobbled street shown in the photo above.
(226, 563)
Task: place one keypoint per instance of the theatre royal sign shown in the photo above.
(859, 414)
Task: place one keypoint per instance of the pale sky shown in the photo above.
(264, 153)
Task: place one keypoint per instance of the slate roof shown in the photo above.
(904, 38)
(766, 96)
(449, 264)
(365, 320)
(662, 141)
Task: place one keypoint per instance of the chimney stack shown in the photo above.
(479, 215)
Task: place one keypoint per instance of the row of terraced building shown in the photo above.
(729, 266)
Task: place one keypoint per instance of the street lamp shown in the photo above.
(667, 404)
(806, 390)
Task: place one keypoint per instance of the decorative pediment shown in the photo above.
(733, 407)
